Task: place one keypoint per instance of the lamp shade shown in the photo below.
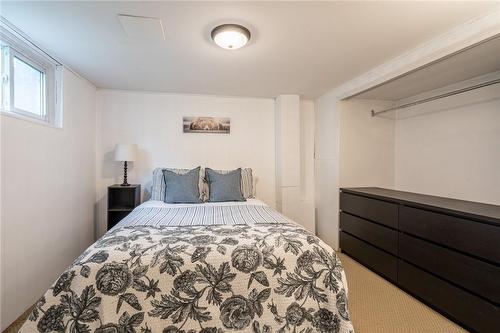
(125, 152)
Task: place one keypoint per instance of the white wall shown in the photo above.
(47, 197)
(287, 143)
(326, 166)
(366, 145)
(307, 129)
(295, 159)
(352, 149)
(451, 147)
(154, 122)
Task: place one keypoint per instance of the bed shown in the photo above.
(209, 267)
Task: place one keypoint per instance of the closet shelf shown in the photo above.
(436, 97)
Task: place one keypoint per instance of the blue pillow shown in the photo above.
(224, 187)
(182, 188)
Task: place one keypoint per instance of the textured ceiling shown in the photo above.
(303, 48)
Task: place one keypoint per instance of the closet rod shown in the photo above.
(433, 98)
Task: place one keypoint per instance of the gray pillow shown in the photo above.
(158, 184)
(224, 187)
(182, 188)
(246, 183)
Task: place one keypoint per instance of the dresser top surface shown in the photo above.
(134, 186)
(487, 212)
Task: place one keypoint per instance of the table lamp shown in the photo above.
(125, 153)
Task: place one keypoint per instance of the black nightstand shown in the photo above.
(121, 201)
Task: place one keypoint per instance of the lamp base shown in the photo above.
(125, 175)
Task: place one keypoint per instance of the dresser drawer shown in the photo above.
(378, 260)
(372, 209)
(468, 236)
(473, 274)
(465, 308)
(375, 234)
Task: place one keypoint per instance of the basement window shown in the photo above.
(30, 80)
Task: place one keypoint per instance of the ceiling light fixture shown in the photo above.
(230, 36)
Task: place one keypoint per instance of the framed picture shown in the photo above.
(206, 125)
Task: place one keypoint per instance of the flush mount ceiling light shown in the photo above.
(230, 36)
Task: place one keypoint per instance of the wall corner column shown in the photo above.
(289, 155)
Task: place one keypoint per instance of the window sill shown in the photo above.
(27, 118)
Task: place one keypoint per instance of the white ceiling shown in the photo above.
(303, 48)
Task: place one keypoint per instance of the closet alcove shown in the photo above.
(434, 130)
(418, 153)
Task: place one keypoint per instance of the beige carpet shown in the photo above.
(376, 305)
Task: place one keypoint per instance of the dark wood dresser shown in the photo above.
(443, 251)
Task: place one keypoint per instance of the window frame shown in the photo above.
(43, 89)
(15, 45)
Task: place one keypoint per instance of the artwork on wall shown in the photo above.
(206, 125)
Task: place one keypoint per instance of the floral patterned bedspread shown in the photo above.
(210, 279)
